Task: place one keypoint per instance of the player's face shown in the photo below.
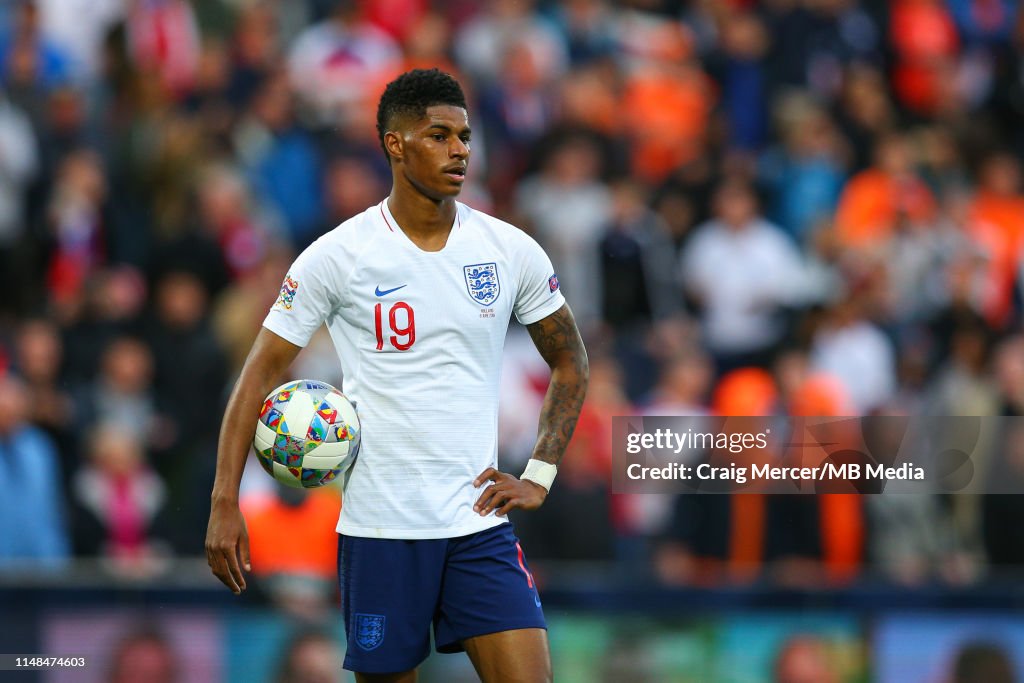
(435, 151)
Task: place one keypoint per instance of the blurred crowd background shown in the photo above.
(792, 207)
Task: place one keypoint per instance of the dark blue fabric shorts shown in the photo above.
(393, 590)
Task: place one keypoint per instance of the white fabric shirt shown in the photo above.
(19, 162)
(742, 276)
(570, 222)
(79, 27)
(419, 335)
(862, 358)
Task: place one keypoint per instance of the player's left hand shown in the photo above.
(506, 493)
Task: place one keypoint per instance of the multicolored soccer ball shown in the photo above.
(307, 434)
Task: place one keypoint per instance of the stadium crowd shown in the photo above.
(804, 207)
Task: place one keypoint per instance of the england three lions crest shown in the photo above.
(482, 282)
(369, 630)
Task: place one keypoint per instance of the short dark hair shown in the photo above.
(411, 93)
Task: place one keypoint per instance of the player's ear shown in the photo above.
(393, 145)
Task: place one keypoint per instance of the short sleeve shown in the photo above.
(308, 296)
(539, 295)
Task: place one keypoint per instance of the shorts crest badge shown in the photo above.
(482, 282)
(369, 630)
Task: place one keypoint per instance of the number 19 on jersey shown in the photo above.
(404, 331)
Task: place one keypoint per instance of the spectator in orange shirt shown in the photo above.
(879, 200)
(293, 547)
(996, 224)
(667, 101)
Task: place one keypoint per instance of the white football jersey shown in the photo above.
(419, 335)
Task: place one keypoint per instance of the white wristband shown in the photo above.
(540, 472)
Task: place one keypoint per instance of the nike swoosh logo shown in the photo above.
(388, 291)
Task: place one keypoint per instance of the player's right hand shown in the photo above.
(506, 493)
(227, 545)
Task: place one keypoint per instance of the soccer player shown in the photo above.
(417, 293)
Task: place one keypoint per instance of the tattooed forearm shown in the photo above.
(559, 343)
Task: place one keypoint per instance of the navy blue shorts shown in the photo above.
(393, 590)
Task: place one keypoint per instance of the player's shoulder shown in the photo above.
(485, 224)
(485, 221)
(334, 255)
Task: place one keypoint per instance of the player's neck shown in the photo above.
(425, 221)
